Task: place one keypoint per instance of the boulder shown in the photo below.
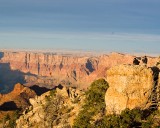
(130, 86)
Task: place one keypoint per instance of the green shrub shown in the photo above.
(110, 121)
(53, 92)
(6, 118)
(11, 119)
(94, 104)
(129, 119)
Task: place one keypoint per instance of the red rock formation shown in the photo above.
(78, 70)
(20, 96)
(18, 99)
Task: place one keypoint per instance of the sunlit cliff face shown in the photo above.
(49, 70)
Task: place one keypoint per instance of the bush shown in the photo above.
(94, 104)
(130, 119)
(7, 117)
(52, 93)
(110, 121)
(10, 120)
(127, 119)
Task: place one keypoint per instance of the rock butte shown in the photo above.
(130, 86)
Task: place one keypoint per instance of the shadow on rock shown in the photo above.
(9, 77)
(8, 106)
(39, 90)
(1, 55)
(89, 66)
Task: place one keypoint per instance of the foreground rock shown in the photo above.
(53, 109)
(130, 86)
(14, 102)
(19, 97)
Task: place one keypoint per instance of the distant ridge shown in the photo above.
(79, 52)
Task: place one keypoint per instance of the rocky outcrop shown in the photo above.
(20, 96)
(34, 114)
(18, 99)
(54, 109)
(130, 86)
(52, 69)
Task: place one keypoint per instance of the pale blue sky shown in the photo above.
(107, 25)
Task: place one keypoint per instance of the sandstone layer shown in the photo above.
(130, 86)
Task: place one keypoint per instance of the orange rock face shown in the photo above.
(130, 86)
(53, 69)
(19, 97)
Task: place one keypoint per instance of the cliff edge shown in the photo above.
(130, 86)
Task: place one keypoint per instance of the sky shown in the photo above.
(95, 25)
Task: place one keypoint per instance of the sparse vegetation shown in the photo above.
(53, 92)
(55, 111)
(94, 105)
(129, 119)
(93, 115)
(9, 121)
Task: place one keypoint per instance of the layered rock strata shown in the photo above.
(52, 69)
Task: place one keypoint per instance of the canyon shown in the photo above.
(51, 69)
(129, 88)
(54, 85)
